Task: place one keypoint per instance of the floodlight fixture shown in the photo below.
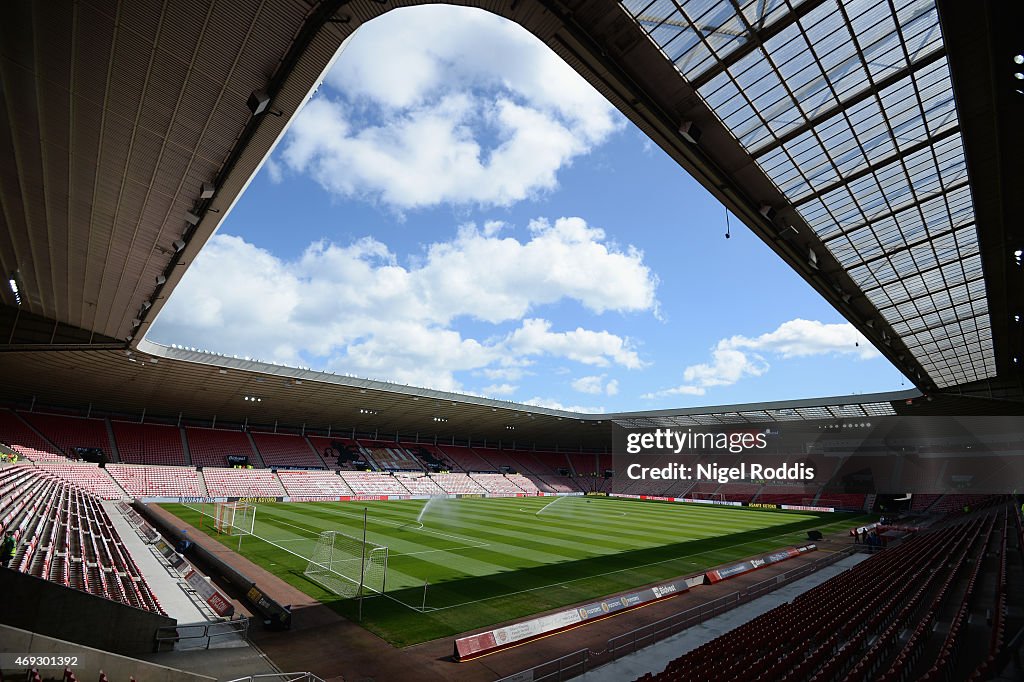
(14, 289)
(206, 190)
(258, 102)
(690, 132)
(812, 259)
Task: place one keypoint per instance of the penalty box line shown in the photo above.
(307, 559)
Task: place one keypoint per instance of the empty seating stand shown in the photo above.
(242, 483)
(373, 483)
(464, 459)
(148, 443)
(157, 481)
(87, 476)
(787, 494)
(65, 536)
(68, 433)
(16, 434)
(875, 620)
(458, 484)
(391, 457)
(286, 449)
(497, 484)
(211, 447)
(418, 484)
(313, 483)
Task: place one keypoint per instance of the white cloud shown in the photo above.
(555, 405)
(732, 360)
(801, 338)
(500, 389)
(595, 385)
(494, 279)
(508, 373)
(601, 348)
(274, 171)
(468, 108)
(592, 384)
(353, 308)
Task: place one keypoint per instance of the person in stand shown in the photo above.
(7, 548)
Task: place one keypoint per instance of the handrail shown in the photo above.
(207, 631)
(281, 677)
(539, 673)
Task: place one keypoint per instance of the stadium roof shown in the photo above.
(128, 131)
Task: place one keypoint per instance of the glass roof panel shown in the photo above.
(848, 108)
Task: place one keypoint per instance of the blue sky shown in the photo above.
(470, 215)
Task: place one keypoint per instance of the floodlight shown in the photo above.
(258, 102)
(206, 190)
(14, 289)
(160, 279)
(178, 244)
(689, 131)
(192, 218)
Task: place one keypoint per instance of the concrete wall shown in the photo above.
(53, 610)
(91, 661)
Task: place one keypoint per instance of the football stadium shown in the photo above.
(174, 507)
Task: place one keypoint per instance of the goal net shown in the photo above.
(234, 518)
(716, 497)
(347, 566)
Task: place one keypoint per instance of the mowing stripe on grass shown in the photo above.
(486, 561)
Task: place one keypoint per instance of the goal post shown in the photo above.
(715, 497)
(234, 518)
(348, 566)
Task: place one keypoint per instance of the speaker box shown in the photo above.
(814, 535)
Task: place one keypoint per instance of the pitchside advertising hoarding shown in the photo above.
(870, 455)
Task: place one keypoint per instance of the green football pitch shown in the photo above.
(489, 560)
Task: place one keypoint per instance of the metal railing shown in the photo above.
(196, 635)
(562, 668)
(280, 677)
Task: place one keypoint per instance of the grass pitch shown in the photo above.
(494, 559)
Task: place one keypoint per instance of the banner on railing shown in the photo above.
(742, 567)
(216, 601)
(484, 643)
